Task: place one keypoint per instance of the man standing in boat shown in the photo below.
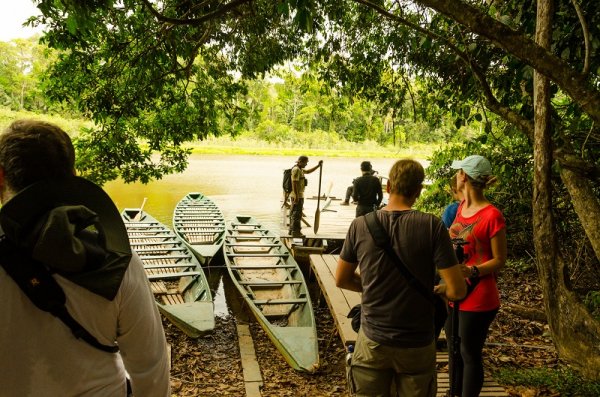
(78, 317)
(395, 341)
(297, 194)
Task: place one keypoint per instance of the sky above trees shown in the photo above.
(12, 15)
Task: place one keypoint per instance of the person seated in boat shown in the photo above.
(68, 235)
(395, 341)
(297, 194)
(350, 189)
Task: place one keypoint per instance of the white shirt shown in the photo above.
(39, 356)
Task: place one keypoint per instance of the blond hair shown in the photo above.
(484, 181)
(406, 177)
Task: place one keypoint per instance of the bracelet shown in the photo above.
(474, 271)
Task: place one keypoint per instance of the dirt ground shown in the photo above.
(211, 366)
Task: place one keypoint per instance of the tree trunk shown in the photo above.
(574, 332)
(586, 205)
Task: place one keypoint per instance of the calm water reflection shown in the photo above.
(249, 185)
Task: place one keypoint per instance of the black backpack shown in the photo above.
(287, 180)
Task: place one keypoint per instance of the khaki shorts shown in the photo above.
(377, 370)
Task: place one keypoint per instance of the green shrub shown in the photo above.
(511, 157)
(592, 301)
(563, 380)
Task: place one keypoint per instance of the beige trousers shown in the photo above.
(378, 371)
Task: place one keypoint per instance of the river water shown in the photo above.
(238, 184)
(248, 185)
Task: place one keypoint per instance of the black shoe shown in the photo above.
(297, 234)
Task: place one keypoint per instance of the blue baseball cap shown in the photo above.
(475, 166)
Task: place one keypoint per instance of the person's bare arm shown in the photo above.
(310, 170)
(499, 253)
(346, 276)
(454, 286)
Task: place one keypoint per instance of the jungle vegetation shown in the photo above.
(152, 76)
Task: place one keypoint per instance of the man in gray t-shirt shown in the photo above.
(396, 341)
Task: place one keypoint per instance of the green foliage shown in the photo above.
(564, 380)
(592, 301)
(511, 159)
(71, 125)
(136, 68)
(521, 264)
(22, 64)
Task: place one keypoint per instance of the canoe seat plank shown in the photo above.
(254, 245)
(156, 250)
(250, 267)
(252, 255)
(165, 266)
(144, 257)
(172, 275)
(153, 243)
(200, 228)
(279, 301)
(269, 283)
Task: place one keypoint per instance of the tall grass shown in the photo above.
(248, 143)
(71, 126)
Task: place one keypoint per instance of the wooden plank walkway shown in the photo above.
(341, 301)
(252, 377)
(334, 221)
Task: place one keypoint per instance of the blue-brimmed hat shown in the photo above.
(475, 166)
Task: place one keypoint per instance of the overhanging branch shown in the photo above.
(195, 21)
(575, 84)
(491, 102)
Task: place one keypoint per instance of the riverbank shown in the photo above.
(211, 366)
(245, 145)
(248, 146)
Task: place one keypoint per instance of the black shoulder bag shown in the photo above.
(36, 281)
(382, 240)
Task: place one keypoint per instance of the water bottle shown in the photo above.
(349, 355)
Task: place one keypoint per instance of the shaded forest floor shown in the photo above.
(211, 366)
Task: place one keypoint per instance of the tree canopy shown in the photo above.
(168, 72)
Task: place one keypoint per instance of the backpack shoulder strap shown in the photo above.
(377, 231)
(44, 292)
(382, 240)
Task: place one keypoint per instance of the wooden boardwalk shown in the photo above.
(341, 301)
(333, 221)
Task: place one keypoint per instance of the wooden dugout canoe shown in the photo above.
(272, 284)
(178, 282)
(199, 222)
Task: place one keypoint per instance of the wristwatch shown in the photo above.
(474, 272)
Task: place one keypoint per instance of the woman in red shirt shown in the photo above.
(483, 227)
